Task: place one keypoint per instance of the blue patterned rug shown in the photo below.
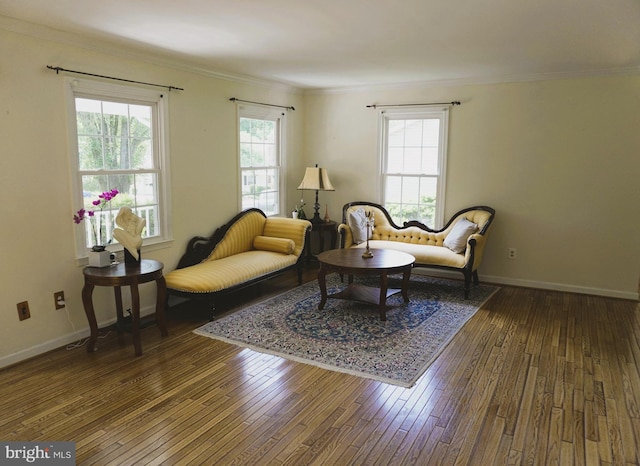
(348, 336)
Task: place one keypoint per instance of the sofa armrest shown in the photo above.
(345, 237)
(289, 228)
(475, 246)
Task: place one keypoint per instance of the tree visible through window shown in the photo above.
(414, 145)
(260, 159)
(118, 145)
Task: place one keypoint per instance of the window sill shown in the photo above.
(152, 245)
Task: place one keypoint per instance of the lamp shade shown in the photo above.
(316, 179)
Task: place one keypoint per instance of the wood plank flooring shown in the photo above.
(535, 377)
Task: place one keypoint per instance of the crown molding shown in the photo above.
(476, 81)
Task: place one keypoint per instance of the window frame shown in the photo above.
(262, 112)
(418, 112)
(98, 90)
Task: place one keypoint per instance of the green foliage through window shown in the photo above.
(115, 151)
(259, 164)
(413, 157)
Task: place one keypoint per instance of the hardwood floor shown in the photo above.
(535, 377)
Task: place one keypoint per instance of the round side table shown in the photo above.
(131, 275)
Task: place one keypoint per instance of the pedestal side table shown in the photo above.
(119, 275)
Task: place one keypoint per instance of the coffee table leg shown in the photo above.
(406, 275)
(322, 273)
(384, 284)
(87, 301)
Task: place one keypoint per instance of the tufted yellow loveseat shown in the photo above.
(248, 249)
(428, 246)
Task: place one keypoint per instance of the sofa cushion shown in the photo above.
(412, 235)
(358, 223)
(424, 254)
(269, 243)
(457, 238)
(215, 275)
(288, 228)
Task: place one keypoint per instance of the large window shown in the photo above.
(118, 143)
(261, 158)
(413, 145)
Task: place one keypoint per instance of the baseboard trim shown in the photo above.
(497, 280)
(61, 341)
(629, 295)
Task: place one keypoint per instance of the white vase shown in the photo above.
(99, 258)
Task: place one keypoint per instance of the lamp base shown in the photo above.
(316, 207)
(316, 219)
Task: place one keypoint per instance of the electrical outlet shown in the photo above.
(23, 310)
(58, 298)
(511, 254)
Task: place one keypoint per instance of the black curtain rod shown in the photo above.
(57, 69)
(233, 99)
(455, 102)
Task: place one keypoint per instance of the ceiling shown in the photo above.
(324, 44)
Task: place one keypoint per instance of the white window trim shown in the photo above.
(442, 113)
(75, 87)
(264, 112)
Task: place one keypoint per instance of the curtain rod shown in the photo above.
(455, 102)
(233, 99)
(57, 69)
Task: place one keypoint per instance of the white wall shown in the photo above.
(558, 160)
(36, 246)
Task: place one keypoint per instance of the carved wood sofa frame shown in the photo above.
(469, 271)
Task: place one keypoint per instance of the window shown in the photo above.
(261, 158)
(118, 142)
(413, 145)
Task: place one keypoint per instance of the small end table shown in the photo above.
(131, 275)
(321, 228)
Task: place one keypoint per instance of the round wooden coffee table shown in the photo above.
(350, 262)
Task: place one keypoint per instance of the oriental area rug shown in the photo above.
(348, 336)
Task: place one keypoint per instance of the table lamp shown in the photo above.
(316, 179)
